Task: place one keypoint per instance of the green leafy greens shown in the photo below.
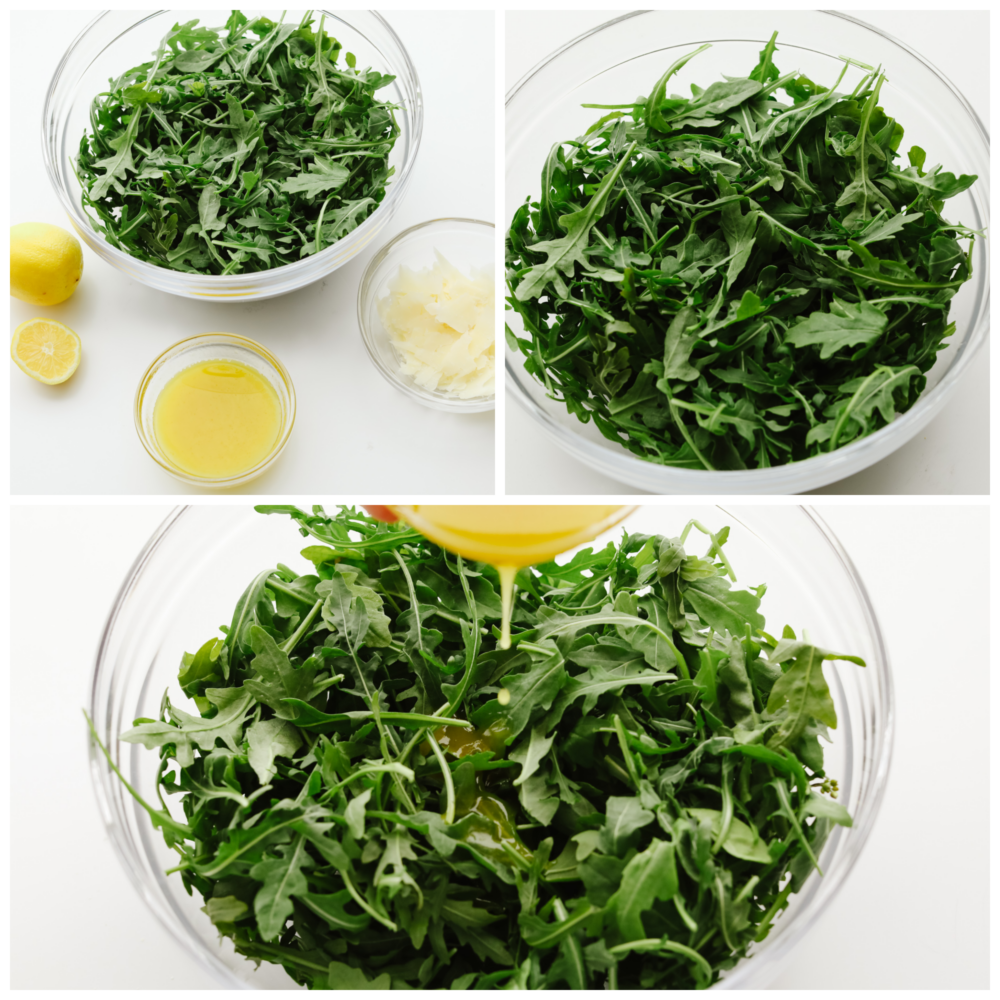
(237, 149)
(374, 794)
(727, 281)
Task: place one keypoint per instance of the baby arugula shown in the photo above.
(727, 281)
(373, 794)
(237, 149)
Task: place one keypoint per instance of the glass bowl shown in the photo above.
(117, 40)
(623, 58)
(512, 540)
(466, 243)
(186, 580)
(212, 347)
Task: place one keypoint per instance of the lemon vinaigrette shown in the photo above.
(511, 536)
(216, 419)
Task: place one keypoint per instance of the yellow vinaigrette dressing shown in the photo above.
(491, 831)
(217, 419)
(511, 536)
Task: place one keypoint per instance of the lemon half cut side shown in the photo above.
(45, 350)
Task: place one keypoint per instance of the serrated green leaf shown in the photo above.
(282, 877)
(801, 692)
(323, 175)
(529, 754)
(649, 876)
(563, 254)
(270, 738)
(843, 326)
(740, 841)
(819, 805)
(345, 977)
(331, 907)
(225, 909)
(725, 609)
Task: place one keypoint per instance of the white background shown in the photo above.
(914, 913)
(952, 454)
(353, 430)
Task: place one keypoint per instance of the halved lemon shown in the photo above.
(45, 350)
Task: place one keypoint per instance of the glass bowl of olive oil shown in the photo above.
(215, 410)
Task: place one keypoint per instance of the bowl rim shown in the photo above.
(102, 780)
(242, 284)
(117, 834)
(179, 349)
(481, 404)
(826, 468)
(864, 821)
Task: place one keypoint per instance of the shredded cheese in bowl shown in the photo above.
(441, 324)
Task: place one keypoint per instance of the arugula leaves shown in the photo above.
(618, 800)
(713, 280)
(213, 158)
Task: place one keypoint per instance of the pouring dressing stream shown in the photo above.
(510, 536)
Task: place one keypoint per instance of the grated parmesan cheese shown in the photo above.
(441, 324)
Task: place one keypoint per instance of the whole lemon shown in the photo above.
(46, 263)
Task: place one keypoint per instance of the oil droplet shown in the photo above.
(461, 740)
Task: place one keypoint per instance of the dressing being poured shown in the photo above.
(511, 536)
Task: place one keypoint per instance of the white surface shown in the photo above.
(953, 455)
(353, 430)
(913, 914)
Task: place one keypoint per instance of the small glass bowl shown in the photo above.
(623, 57)
(191, 572)
(466, 243)
(213, 347)
(119, 39)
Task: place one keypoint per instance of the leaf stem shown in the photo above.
(159, 817)
(449, 784)
(663, 944)
(747, 889)
(414, 606)
(289, 644)
(789, 813)
(472, 643)
(779, 904)
(276, 583)
(726, 820)
(682, 912)
(715, 549)
(626, 752)
(684, 431)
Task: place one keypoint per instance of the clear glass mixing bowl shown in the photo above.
(623, 58)
(184, 584)
(117, 40)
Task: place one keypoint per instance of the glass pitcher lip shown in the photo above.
(531, 547)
